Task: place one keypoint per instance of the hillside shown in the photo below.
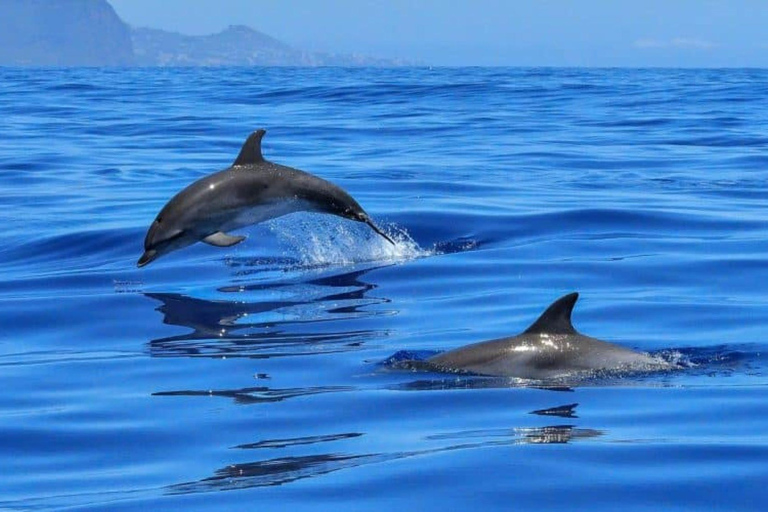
(235, 46)
(90, 33)
(63, 33)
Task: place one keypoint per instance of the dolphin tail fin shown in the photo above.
(220, 239)
(374, 227)
(557, 318)
(250, 153)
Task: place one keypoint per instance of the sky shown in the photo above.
(597, 33)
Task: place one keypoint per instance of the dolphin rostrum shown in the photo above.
(252, 190)
(549, 348)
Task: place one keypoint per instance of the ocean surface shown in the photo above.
(263, 376)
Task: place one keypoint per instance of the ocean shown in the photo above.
(260, 376)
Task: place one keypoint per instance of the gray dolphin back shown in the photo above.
(551, 347)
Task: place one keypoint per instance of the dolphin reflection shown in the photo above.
(270, 319)
(284, 470)
(258, 394)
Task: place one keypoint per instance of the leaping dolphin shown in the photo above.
(549, 348)
(252, 190)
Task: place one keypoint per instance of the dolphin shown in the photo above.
(549, 348)
(252, 190)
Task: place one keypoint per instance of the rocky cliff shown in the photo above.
(63, 33)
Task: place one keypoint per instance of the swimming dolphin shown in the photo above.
(549, 348)
(252, 190)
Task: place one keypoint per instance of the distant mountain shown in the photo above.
(90, 33)
(63, 33)
(235, 46)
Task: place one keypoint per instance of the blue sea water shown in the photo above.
(255, 377)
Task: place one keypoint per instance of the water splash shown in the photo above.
(322, 241)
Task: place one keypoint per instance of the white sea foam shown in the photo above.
(321, 240)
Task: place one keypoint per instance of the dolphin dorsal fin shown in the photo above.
(251, 152)
(557, 318)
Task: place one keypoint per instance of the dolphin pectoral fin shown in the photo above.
(220, 239)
